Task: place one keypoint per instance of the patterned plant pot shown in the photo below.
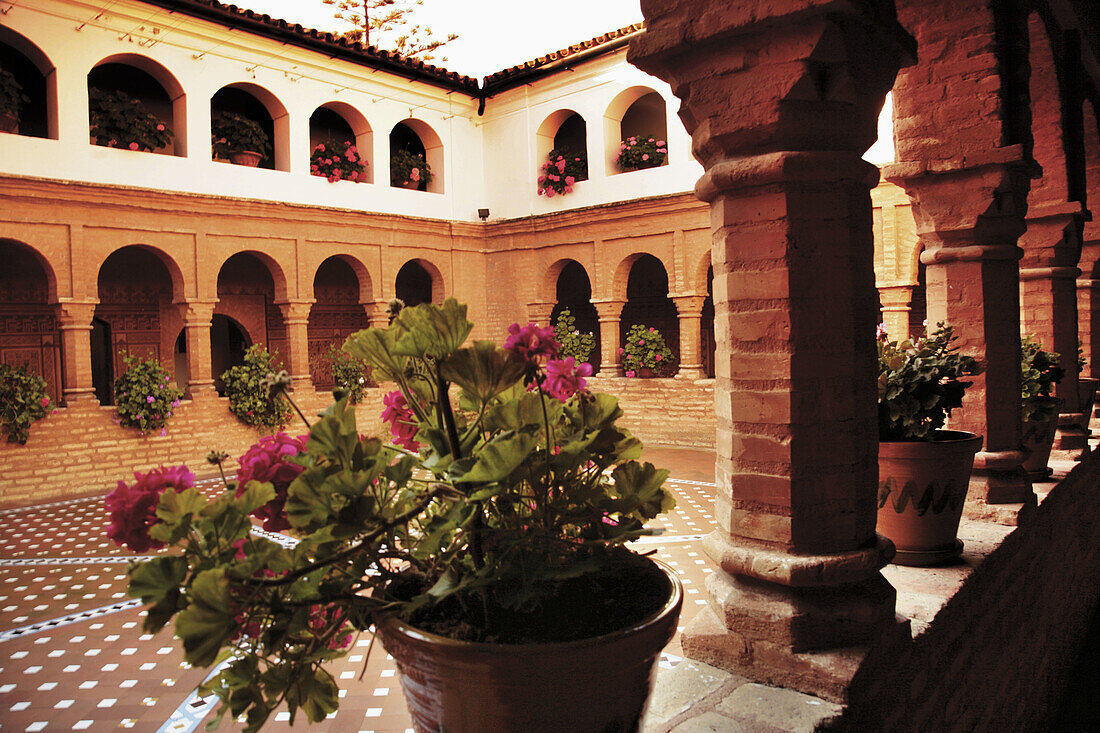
(1038, 440)
(1086, 393)
(246, 158)
(921, 491)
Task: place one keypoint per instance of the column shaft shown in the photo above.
(75, 323)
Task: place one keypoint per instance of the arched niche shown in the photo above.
(152, 85)
(337, 312)
(249, 284)
(259, 105)
(418, 137)
(573, 291)
(564, 131)
(33, 71)
(647, 303)
(135, 287)
(419, 281)
(339, 122)
(29, 334)
(228, 342)
(635, 112)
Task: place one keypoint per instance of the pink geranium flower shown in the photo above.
(564, 378)
(402, 420)
(531, 342)
(265, 462)
(133, 508)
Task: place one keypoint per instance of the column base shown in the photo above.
(197, 391)
(999, 478)
(1071, 441)
(691, 373)
(82, 397)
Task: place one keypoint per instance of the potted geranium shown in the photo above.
(409, 170)
(239, 139)
(118, 120)
(574, 342)
(244, 386)
(11, 100)
(144, 396)
(562, 169)
(338, 161)
(23, 400)
(486, 543)
(636, 153)
(1039, 373)
(924, 471)
(645, 353)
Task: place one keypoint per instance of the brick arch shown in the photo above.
(1056, 119)
(41, 259)
(175, 272)
(362, 274)
(622, 273)
(176, 114)
(439, 289)
(336, 313)
(29, 333)
(274, 269)
(548, 284)
(699, 275)
(36, 73)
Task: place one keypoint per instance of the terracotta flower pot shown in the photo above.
(410, 185)
(246, 158)
(645, 373)
(598, 684)
(1038, 440)
(1086, 392)
(921, 491)
(9, 123)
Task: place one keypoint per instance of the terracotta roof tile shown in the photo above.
(501, 78)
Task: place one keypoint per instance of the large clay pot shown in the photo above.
(1086, 393)
(921, 491)
(246, 158)
(1038, 440)
(9, 123)
(595, 685)
(646, 373)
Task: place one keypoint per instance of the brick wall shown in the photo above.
(676, 412)
(996, 657)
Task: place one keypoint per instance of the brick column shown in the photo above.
(895, 301)
(75, 323)
(1048, 307)
(969, 195)
(296, 318)
(540, 313)
(608, 312)
(197, 316)
(781, 101)
(376, 314)
(689, 309)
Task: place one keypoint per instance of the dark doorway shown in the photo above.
(414, 284)
(103, 376)
(228, 342)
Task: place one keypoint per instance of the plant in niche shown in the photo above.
(248, 396)
(350, 375)
(645, 348)
(143, 397)
(920, 383)
(408, 168)
(338, 161)
(12, 97)
(524, 493)
(562, 169)
(636, 153)
(573, 342)
(23, 400)
(120, 121)
(234, 133)
(1040, 371)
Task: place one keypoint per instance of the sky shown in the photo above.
(492, 34)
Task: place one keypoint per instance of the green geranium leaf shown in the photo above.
(432, 330)
(519, 410)
(175, 506)
(498, 458)
(483, 371)
(640, 487)
(376, 347)
(207, 623)
(255, 495)
(315, 692)
(154, 580)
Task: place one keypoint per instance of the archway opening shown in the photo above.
(246, 296)
(572, 139)
(335, 315)
(416, 138)
(29, 334)
(135, 298)
(648, 304)
(414, 284)
(228, 108)
(708, 344)
(130, 108)
(31, 117)
(341, 124)
(645, 121)
(103, 373)
(574, 292)
(228, 342)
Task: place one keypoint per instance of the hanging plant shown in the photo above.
(645, 348)
(248, 395)
(143, 396)
(562, 169)
(121, 121)
(23, 400)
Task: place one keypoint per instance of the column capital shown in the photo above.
(689, 306)
(197, 312)
(295, 311)
(76, 314)
(609, 309)
(540, 311)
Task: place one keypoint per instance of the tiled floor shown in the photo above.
(73, 656)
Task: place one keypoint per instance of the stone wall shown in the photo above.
(997, 655)
(673, 412)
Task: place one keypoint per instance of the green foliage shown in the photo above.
(11, 94)
(406, 167)
(23, 400)
(919, 383)
(512, 494)
(646, 347)
(636, 153)
(350, 375)
(248, 395)
(562, 169)
(338, 161)
(120, 121)
(234, 133)
(1039, 372)
(142, 395)
(573, 343)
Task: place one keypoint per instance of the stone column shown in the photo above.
(75, 323)
(296, 318)
(376, 314)
(895, 301)
(197, 316)
(540, 313)
(1048, 307)
(781, 101)
(689, 309)
(608, 312)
